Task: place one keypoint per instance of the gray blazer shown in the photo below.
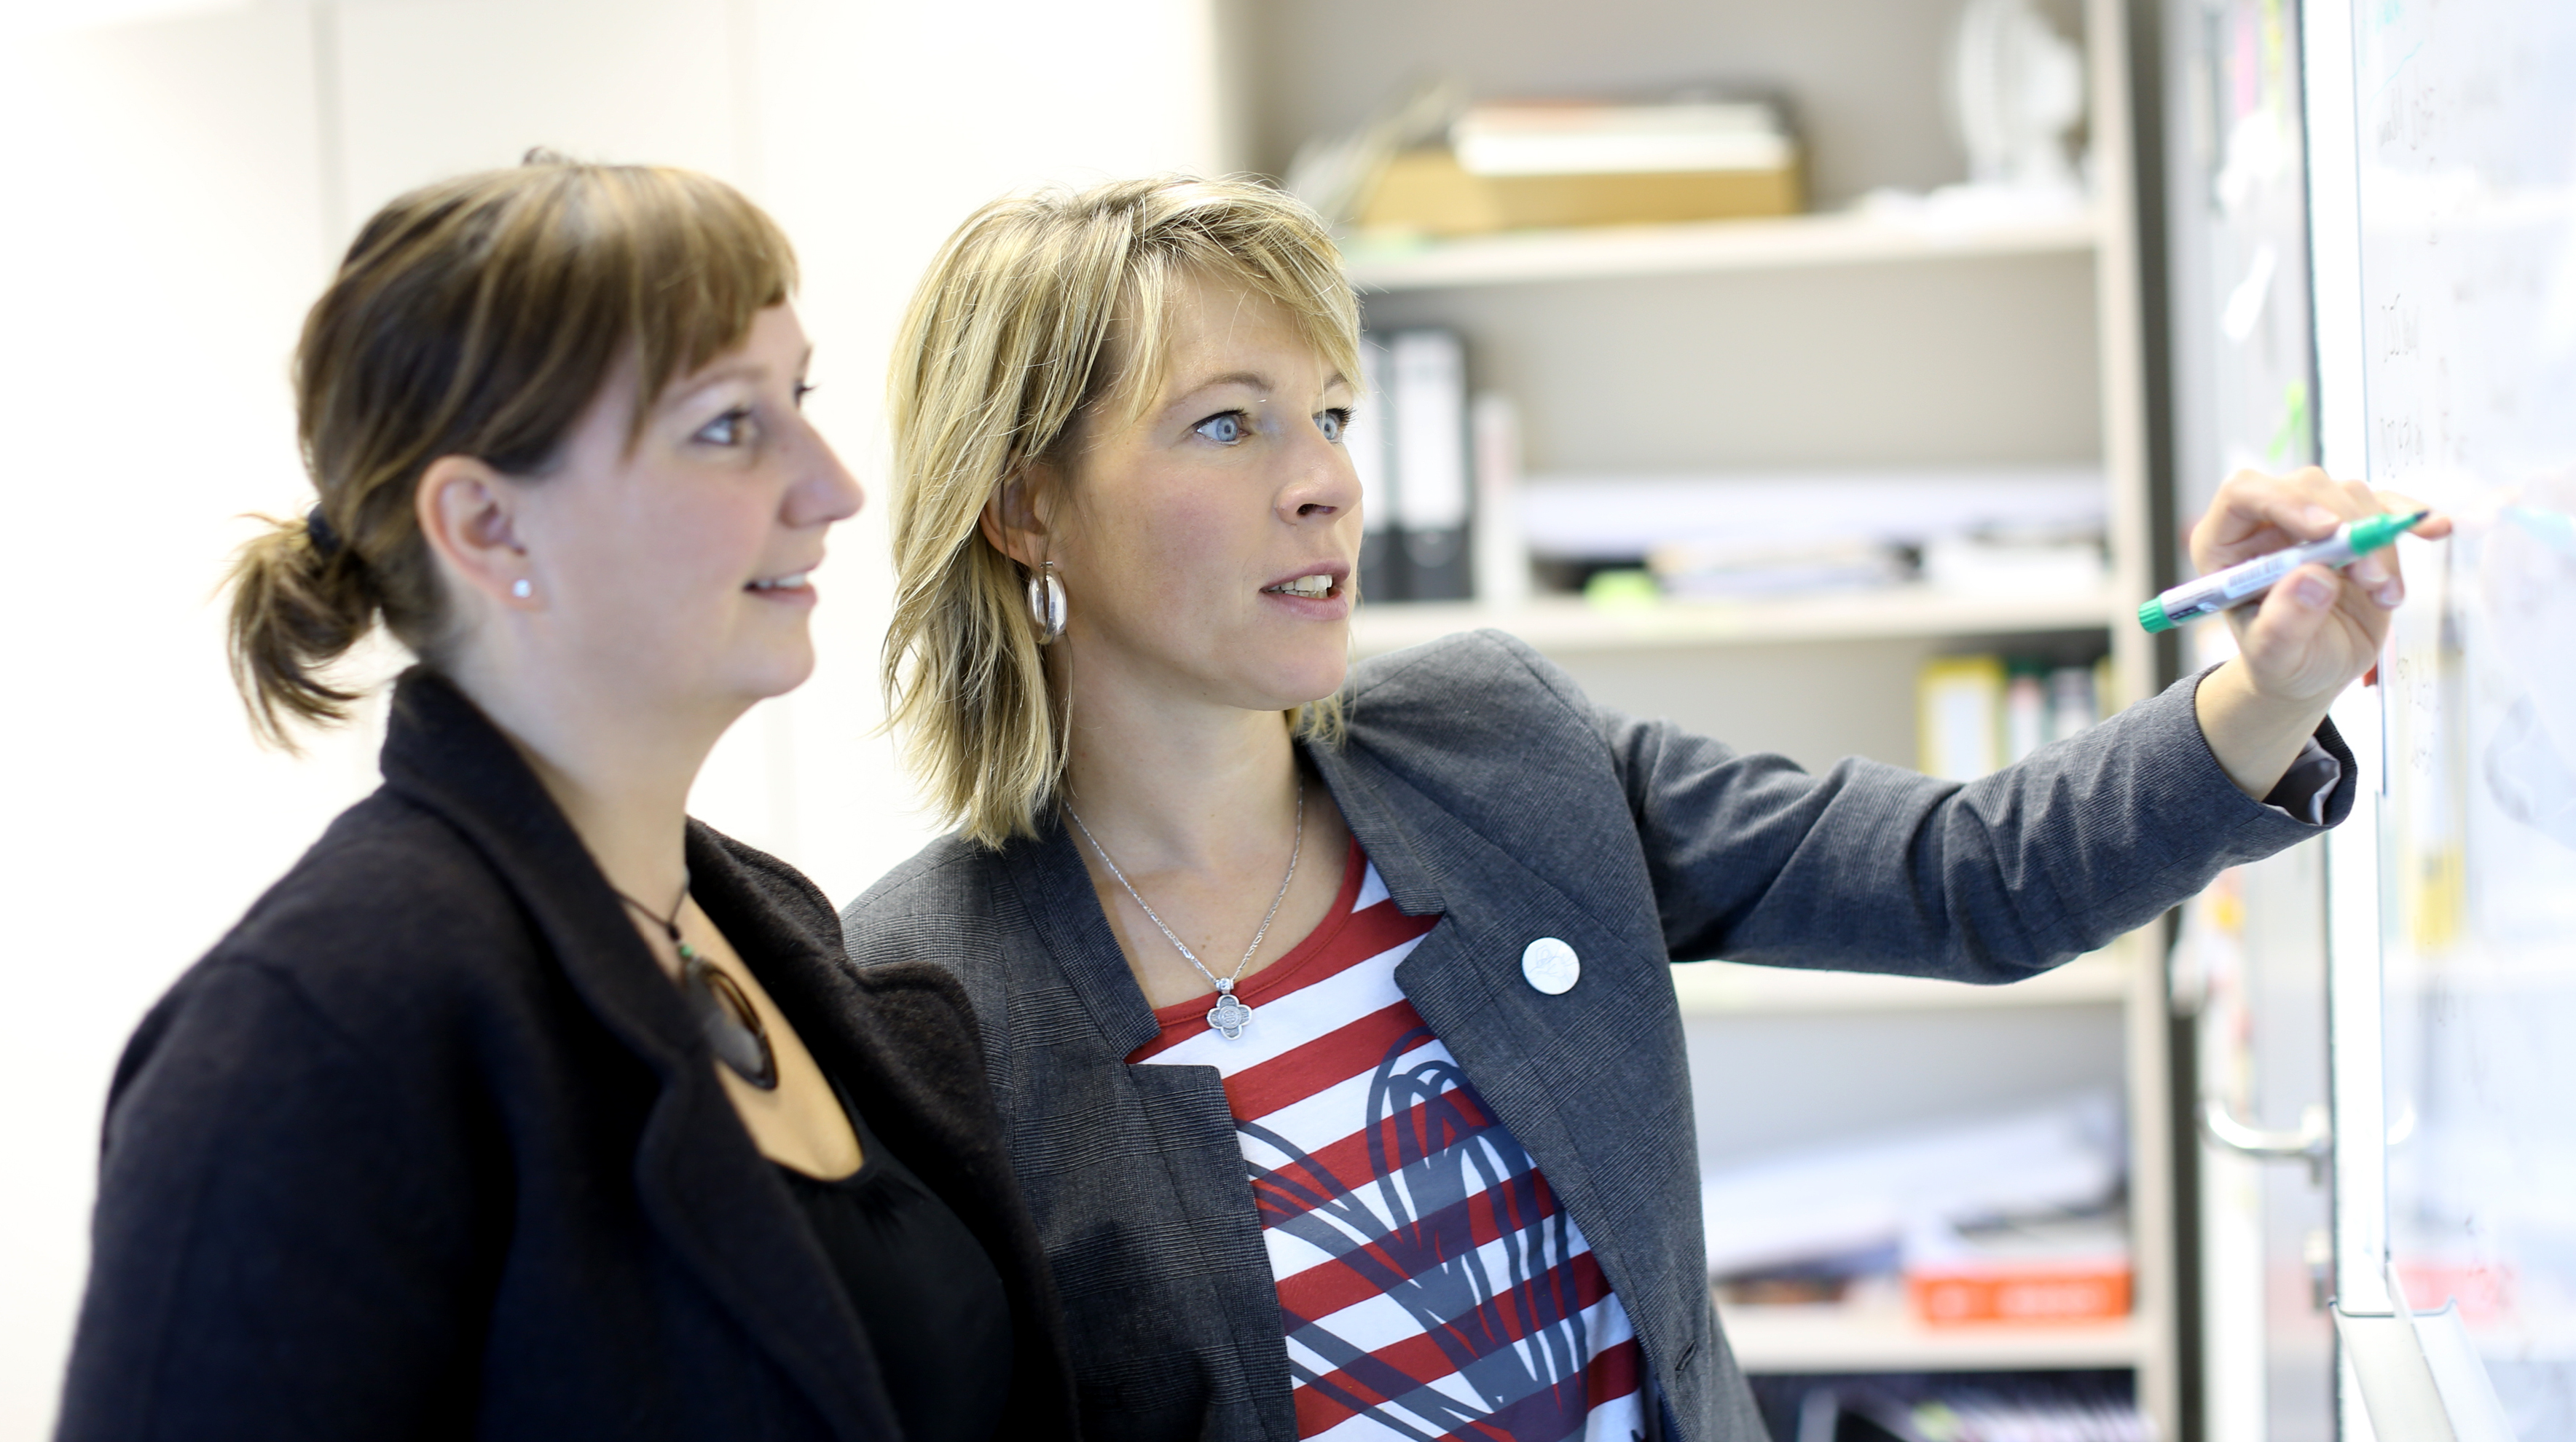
(1488, 789)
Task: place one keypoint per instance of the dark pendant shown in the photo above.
(732, 1027)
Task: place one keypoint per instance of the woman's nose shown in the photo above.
(1326, 483)
(827, 492)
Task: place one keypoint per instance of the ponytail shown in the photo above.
(479, 317)
(299, 602)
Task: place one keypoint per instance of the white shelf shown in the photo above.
(1867, 1337)
(1788, 242)
(1559, 624)
(1725, 988)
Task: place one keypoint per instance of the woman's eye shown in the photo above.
(1333, 423)
(1225, 430)
(802, 391)
(727, 429)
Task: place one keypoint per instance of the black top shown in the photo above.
(929, 1298)
(430, 1147)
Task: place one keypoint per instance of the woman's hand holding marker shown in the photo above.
(2315, 633)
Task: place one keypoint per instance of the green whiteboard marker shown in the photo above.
(2246, 581)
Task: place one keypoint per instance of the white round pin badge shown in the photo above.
(1551, 966)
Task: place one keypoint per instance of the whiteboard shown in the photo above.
(2465, 117)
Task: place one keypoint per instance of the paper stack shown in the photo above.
(2019, 530)
(2012, 1217)
(1546, 163)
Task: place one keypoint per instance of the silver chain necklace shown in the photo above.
(1230, 1015)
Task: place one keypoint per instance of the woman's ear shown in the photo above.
(468, 513)
(1015, 519)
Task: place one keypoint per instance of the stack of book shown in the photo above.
(1547, 163)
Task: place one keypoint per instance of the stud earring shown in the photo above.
(521, 589)
(1046, 604)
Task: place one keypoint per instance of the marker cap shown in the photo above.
(2152, 616)
(2376, 531)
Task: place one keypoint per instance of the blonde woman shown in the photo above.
(523, 1106)
(1330, 1008)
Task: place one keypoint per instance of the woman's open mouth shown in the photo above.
(793, 589)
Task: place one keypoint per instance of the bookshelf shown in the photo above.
(1558, 624)
(1879, 1335)
(1533, 257)
(1725, 988)
(1843, 339)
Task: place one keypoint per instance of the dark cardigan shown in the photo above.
(429, 1147)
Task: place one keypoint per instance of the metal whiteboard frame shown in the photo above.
(2424, 1377)
(2355, 1004)
(2355, 1001)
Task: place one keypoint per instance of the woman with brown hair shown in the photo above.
(1331, 1006)
(525, 1106)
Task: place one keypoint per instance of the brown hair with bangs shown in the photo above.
(1042, 309)
(480, 316)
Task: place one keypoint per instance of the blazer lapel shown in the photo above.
(1066, 911)
(1465, 979)
(702, 1183)
(1185, 1108)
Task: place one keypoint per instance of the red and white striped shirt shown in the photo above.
(1429, 1282)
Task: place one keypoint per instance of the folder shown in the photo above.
(1433, 486)
(1371, 444)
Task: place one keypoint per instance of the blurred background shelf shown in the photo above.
(1722, 245)
(1720, 988)
(1956, 340)
(1555, 624)
(1859, 1337)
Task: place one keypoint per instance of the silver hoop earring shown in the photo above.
(1046, 604)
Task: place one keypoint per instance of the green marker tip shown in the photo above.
(2378, 531)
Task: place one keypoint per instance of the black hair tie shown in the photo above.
(317, 531)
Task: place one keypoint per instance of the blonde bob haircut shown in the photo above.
(1043, 310)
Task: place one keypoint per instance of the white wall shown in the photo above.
(172, 188)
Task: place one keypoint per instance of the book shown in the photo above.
(1427, 192)
(1977, 714)
(2073, 1268)
(2075, 698)
(1959, 702)
(2027, 711)
(1502, 563)
(2039, 1406)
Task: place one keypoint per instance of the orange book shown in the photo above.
(2021, 1294)
(2037, 1271)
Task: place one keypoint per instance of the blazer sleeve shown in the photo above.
(278, 1250)
(1869, 867)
